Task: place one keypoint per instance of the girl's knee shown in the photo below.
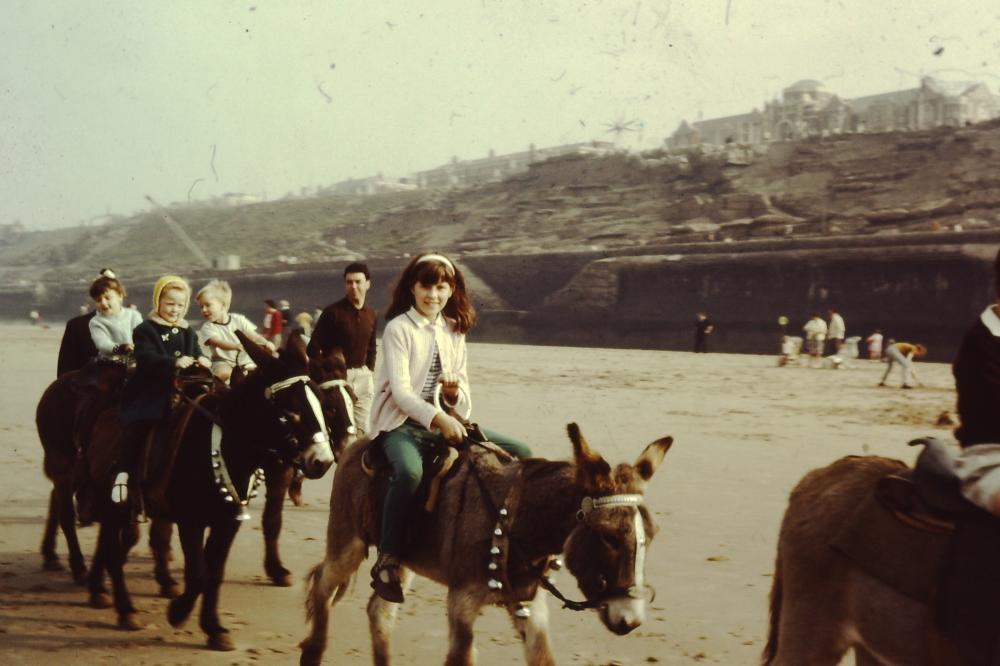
(407, 478)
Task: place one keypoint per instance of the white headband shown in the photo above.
(440, 259)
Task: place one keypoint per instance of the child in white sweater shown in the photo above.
(218, 333)
(111, 328)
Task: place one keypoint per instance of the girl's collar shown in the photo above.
(420, 320)
(156, 318)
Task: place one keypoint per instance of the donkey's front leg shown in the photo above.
(220, 538)
(381, 618)
(114, 552)
(277, 480)
(534, 631)
(464, 604)
(160, 533)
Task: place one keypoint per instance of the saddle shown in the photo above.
(919, 535)
(437, 463)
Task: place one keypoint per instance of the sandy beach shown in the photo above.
(745, 432)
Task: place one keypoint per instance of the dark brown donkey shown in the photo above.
(822, 603)
(337, 399)
(56, 418)
(492, 537)
(275, 412)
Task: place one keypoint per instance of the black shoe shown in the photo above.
(386, 580)
(907, 386)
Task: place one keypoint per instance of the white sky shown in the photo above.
(104, 102)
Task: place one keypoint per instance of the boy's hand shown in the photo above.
(184, 362)
(269, 345)
(204, 362)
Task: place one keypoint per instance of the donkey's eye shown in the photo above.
(610, 540)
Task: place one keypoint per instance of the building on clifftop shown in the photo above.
(807, 108)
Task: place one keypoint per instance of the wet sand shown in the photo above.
(745, 431)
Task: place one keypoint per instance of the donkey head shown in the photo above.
(606, 551)
(329, 371)
(285, 404)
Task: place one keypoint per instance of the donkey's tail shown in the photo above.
(316, 593)
(771, 648)
(311, 577)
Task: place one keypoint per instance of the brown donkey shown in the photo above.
(822, 604)
(496, 528)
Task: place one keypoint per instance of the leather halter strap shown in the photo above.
(341, 385)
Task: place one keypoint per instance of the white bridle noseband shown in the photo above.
(342, 385)
(589, 504)
(320, 437)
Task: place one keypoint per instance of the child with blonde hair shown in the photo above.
(218, 333)
(164, 343)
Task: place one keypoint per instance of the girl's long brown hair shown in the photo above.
(429, 273)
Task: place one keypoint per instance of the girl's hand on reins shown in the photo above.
(184, 362)
(450, 428)
(204, 362)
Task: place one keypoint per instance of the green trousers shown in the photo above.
(405, 447)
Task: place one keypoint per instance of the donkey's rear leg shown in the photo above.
(382, 618)
(534, 631)
(464, 605)
(328, 579)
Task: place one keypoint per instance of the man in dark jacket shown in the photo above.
(350, 325)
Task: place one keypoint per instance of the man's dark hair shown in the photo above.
(358, 267)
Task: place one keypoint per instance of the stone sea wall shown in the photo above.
(920, 287)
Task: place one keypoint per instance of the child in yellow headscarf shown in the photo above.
(164, 343)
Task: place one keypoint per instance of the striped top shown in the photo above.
(427, 392)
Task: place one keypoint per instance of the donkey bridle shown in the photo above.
(341, 385)
(500, 556)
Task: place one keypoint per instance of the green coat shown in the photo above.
(146, 395)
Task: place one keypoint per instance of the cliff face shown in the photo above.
(895, 230)
(875, 184)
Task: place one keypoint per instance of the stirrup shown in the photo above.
(119, 490)
(385, 579)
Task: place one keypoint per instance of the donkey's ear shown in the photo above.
(652, 457)
(592, 472)
(295, 351)
(260, 356)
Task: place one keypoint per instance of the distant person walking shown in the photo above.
(703, 328)
(875, 345)
(902, 354)
(815, 330)
(273, 324)
(836, 331)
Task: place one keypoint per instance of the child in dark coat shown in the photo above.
(164, 343)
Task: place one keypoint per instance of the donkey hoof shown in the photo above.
(52, 564)
(221, 642)
(311, 656)
(170, 591)
(80, 575)
(129, 622)
(279, 575)
(100, 600)
(178, 612)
